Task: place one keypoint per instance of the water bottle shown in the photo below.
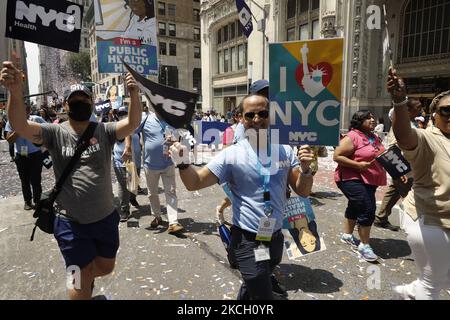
(225, 235)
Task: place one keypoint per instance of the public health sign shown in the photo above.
(52, 23)
(126, 31)
(305, 91)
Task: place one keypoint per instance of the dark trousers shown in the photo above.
(395, 191)
(361, 201)
(256, 275)
(30, 169)
(11, 150)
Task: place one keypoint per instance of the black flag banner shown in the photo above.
(394, 163)
(53, 23)
(175, 106)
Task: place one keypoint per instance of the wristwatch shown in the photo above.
(404, 102)
(307, 173)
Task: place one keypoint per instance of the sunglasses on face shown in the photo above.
(264, 114)
(444, 111)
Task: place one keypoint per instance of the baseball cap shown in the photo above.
(77, 88)
(258, 86)
(422, 119)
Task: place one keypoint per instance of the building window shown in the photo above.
(219, 36)
(168, 75)
(291, 34)
(242, 56)
(233, 61)
(172, 30)
(291, 4)
(197, 80)
(304, 34)
(239, 29)
(162, 28)
(232, 30)
(163, 48)
(161, 8)
(315, 4)
(171, 9)
(225, 33)
(426, 29)
(315, 29)
(304, 6)
(226, 60)
(172, 49)
(197, 52)
(196, 15)
(196, 33)
(220, 61)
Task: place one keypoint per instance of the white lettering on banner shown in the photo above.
(25, 26)
(134, 51)
(395, 160)
(170, 106)
(120, 68)
(65, 21)
(286, 118)
(303, 136)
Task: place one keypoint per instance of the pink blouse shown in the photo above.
(365, 150)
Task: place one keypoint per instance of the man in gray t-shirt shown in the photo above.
(87, 233)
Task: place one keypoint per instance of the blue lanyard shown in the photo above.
(264, 172)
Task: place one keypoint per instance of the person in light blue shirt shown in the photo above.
(126, 197)
(28, 159)
(257, 179)
(157, 164)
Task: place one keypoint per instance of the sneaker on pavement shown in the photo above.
(156, 222)
(175, 228)
(278, 288)
(366, 252)
(403, 292)
(28, 206)
(386, 225)
(124, 215)
(134, 203)
(351, 240)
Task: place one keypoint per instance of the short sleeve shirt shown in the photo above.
(237, 166)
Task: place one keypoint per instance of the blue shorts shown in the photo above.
(80, 244)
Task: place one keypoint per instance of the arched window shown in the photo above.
(426, 30)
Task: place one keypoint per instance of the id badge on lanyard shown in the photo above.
(24, 151)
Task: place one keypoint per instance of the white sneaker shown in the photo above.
(404, 293)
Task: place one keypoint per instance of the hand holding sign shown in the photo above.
(179, 154)
(305, 157)
(131, 83)
(396, 86)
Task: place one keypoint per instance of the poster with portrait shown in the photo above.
(114, 96)
(126, 31)
(306, 91)
(301, 236)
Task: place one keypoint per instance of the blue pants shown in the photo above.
(256, 275)
(361, 201)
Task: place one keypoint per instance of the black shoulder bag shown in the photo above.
(45, 211)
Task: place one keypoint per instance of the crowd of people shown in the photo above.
(87, 227)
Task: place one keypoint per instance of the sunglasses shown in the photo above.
(444, 111)
(261, 114)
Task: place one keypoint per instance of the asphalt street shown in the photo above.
(151, 264)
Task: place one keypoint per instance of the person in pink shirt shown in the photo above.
(358, 176)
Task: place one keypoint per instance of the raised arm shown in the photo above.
(192, 179)
(11, 78)
(127, 126)
(405, 135)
